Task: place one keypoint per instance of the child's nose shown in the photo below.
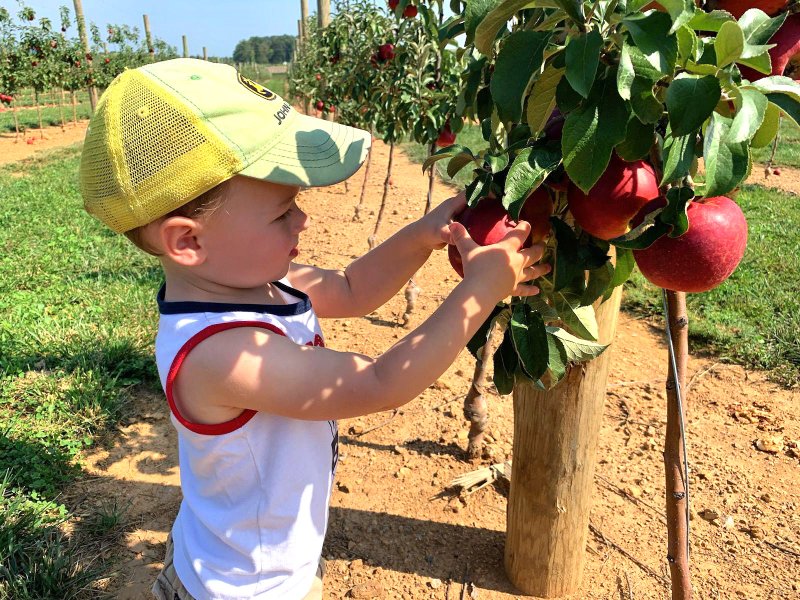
(303, 220)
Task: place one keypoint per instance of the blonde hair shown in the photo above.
(204, 205)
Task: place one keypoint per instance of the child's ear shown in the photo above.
(180, 241)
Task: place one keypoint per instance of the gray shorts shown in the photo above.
(169, 587)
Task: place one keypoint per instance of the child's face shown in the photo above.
(252, 238)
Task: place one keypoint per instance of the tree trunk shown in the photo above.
(74, 107)
(555, 441)
(39, 112)
(16, 121)
(357, 213)
(674, 456)
(81, 21)
(373, 239)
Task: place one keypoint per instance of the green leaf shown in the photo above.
(712, 21)
(789, 106)
(538, 304)
(505, 366)
(687, 44)
(577, 350)
(583, 56)
(458, 162)
(599, 279)
(580, 319)
(769, 127)
(527, 172)
(556, 358)
(681, 12)
(592, 131)
(727, 163)
(530, 340)
(729, 44)
(493, 21)
(520, 58)
(542, 100)
(678, 156)
(498, 162)
(639, 138)
(567, 268)
(674, 214)
(762, 63)
(443, 153)
(622, 269)
(751, 107)
(777, 84)
(479, 339)
(567, 98)
(475, 13)
(651, 33)
(758, 27)
(574, 8)
(645, 234)
(690, 101)
(626, 73)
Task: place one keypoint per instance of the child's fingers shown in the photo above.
(525, 290)
(518, 235)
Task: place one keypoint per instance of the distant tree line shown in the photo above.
(271, 49)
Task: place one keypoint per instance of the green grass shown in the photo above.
(77, 321)
(470, 137)
(754, 317)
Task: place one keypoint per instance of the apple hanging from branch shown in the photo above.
(704, 256)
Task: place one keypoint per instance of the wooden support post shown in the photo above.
(205, 53)
(555, 441)
(149, 38)
(185, 47)
(303, 18)
(324, 13)
(85, 43)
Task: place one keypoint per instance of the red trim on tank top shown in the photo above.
(177, 362)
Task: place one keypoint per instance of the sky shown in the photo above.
(218, 25)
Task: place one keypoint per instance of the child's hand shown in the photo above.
(434, 226)
(504, 266)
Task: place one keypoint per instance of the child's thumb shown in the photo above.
(459, 236)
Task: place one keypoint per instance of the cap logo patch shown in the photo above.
(256, 88)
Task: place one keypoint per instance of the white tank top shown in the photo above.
(256, 489)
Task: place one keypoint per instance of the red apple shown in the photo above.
(536, 211)
(615, 199)
(320, 105)
(318, 77)
(393, 4)
(410, 11)
(487, 223)
(107, 60)
(554, 128)
(705, 255)
(386, 51)
(738, 7)
(785, 55)
(446, 136)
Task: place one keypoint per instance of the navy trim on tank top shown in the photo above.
(280, 310)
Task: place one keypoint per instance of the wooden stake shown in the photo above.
(85, 43)
(149, 38)
(555, 442)
(674, 455)
(303, 18)
(205, 53)
(324, 13)
(185, 47)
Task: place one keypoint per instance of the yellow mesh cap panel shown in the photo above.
(151, 155)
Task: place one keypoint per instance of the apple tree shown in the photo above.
(607, 107)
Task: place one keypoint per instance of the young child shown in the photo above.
(201, 167)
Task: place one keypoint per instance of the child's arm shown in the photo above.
(250, 368)
(371, 280)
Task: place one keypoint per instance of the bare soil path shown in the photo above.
(399, 531)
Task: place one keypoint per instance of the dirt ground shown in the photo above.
(398, 529)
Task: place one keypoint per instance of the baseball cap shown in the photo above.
(164, 133)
